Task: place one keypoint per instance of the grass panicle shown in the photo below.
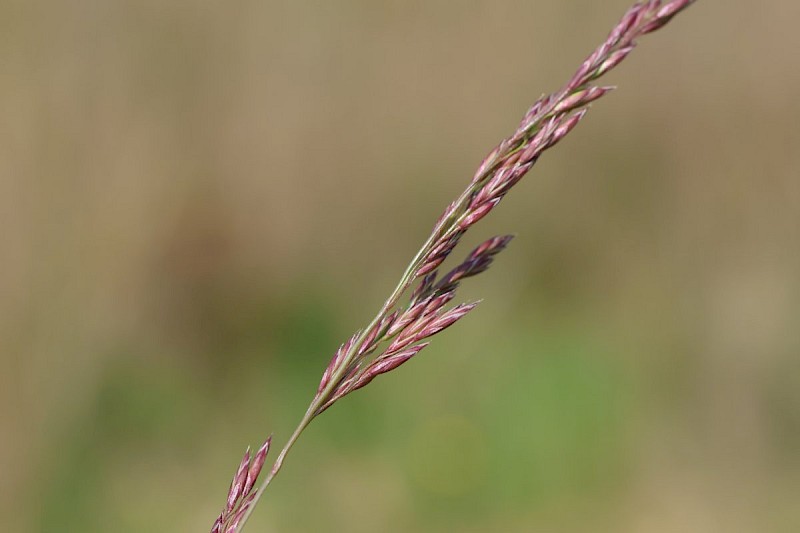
(409, 317)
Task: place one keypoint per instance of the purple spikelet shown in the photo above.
(242, 491)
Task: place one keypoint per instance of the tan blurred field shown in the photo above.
(200, 200)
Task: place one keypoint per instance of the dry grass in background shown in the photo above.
(180, 228)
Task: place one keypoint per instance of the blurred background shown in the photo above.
(200, 200)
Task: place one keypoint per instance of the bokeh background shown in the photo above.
(200, 200)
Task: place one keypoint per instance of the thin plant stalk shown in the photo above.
(405, 325)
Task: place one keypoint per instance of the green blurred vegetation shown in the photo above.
(200, 201)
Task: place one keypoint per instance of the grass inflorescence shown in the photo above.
(420, 305)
